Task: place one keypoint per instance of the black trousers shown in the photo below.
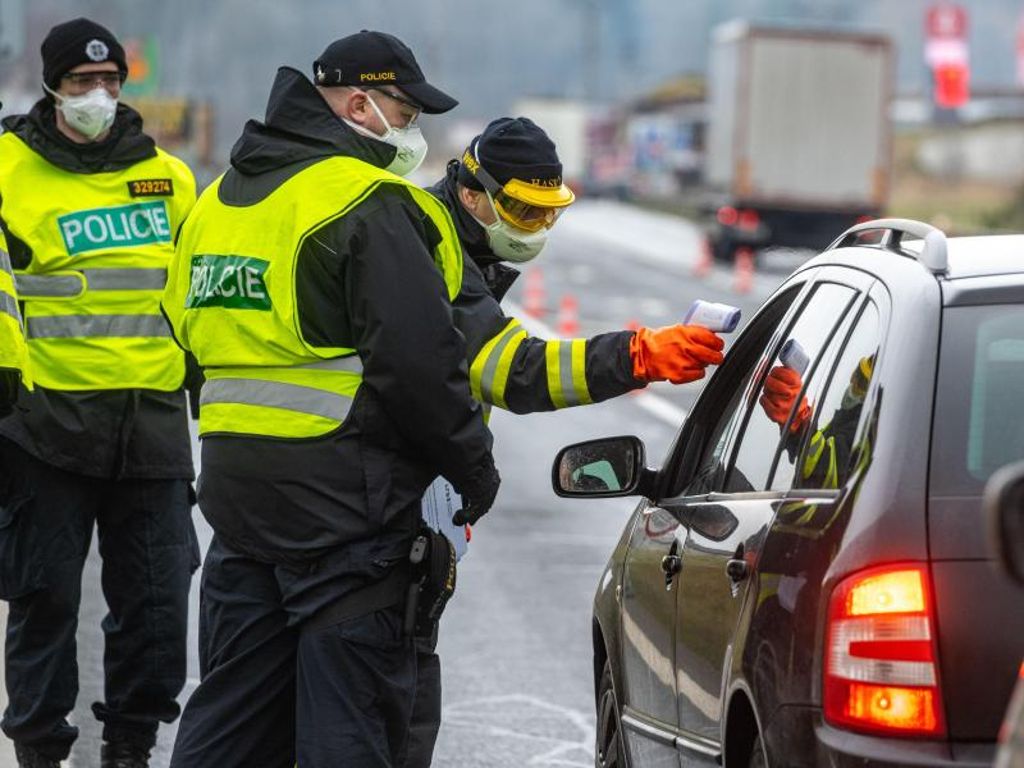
(149, 551)
(426, 712)
(277, 688)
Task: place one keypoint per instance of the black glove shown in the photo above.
(479, 494)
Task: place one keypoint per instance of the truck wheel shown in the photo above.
(609, 751)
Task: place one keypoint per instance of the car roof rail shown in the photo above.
(933, 253)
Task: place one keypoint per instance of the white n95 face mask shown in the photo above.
(511, 243)
(90, 114)
(410, 146)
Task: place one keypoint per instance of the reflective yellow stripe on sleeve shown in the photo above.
(488, 374)
(817, 446)
(567, 376)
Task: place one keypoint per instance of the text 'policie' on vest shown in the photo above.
(268, 380)
(91, 293)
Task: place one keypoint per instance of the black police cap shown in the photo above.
(368, 59)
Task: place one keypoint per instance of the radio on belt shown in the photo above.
(720, 318)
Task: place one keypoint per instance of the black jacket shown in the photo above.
(125, 433)
(478, 315)
(366, 280)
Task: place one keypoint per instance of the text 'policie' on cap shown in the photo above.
(374, 58)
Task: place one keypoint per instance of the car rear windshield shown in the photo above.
(979, 405)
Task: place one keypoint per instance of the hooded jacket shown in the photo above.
(366, 281)
(531, 383)
(111, 434)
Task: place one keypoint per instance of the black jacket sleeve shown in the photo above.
(523, 373)
(400, 321)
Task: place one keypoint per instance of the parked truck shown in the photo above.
(798, 140)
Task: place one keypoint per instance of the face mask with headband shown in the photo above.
(522, 220)
(90, 114)
(410, 146)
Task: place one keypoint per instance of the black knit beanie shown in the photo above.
(79, 41)
(513, 148)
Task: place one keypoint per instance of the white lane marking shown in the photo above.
(657, 406)
(468, 714)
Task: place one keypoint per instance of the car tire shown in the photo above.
(609, 751)
(757, 757)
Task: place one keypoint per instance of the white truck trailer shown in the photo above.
(798, 139)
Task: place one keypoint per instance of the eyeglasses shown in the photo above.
(417, 109)
(511, 200)
(90, 80)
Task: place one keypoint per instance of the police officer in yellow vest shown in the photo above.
(312, 283)
(89, 207)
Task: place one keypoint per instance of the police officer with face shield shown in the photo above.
(89, 207)
(313, 284)
(505, 194)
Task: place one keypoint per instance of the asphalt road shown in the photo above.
(515, 641)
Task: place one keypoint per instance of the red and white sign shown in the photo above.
(946, 35)
(947, 54)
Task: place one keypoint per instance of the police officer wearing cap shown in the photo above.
(505, 193)
(89, 207)
(313, 284)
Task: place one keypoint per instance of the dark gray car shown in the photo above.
(816, 588)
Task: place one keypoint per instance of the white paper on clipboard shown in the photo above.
(440, 502)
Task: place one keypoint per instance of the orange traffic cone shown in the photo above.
(743, 271)
(533, 295)
(632, 325)
(568, 316)
(705, 260)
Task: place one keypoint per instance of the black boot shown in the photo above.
(123, 754)
(29, 758)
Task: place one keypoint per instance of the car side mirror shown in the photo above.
(611, 466)
(1004, 507)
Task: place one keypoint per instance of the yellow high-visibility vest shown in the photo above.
(13, 350)
(100, 243)
(231, 301)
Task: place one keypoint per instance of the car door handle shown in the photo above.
(671, 565)
(737, 570)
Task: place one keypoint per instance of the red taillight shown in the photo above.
(881, 666)
(749, 219)
(728, 216)
(863, 218)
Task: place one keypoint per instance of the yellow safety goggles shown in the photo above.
(527, 206)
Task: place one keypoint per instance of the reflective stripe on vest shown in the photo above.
(72, 284)
(276, 394)
(92, 326)
(9, 305)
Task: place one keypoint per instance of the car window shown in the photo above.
(824, 447)
(979, 420)
(723, 406)
(767, 418)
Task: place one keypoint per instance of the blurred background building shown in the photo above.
(621, 84)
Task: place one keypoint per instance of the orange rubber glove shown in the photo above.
(676, 353)
(781, 388)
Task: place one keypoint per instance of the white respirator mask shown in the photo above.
(90, 114)
(510, 243)
(410, 146)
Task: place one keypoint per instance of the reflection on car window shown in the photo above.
(780, 405)
(710, 472)
(826, 442)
